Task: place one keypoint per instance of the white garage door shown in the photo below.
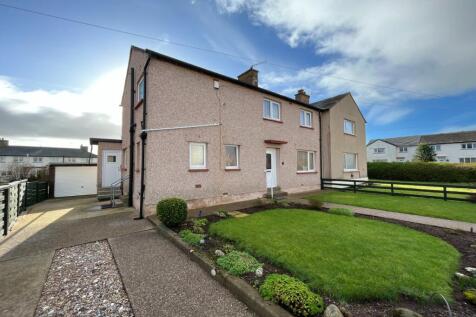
(75, 180)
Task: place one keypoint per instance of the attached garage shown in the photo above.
(73, 180)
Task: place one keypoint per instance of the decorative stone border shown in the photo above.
(239, 288)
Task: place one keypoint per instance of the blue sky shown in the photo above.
(410, 66)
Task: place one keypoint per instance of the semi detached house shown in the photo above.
(211, 139)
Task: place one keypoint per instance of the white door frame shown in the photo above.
(271, 170)
(111, 171)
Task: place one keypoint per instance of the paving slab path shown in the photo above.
(157, 277)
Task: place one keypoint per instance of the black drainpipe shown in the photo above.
(143, 137)
(320, 145)
(132, 130)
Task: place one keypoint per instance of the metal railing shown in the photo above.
(114, 187)
(425, 190)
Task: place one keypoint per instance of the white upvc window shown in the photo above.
(467, 160)
(436, 147)
(140, 90)
(198, 155)
(37, 159)
(305, 118)
(350, 162)
(232, 157)
(379, 150)
(18, 159)
(306, 161)
(271, 110)
(349, 127)
(403, 149)
(468, 146)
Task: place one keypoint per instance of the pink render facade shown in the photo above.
(186, 106)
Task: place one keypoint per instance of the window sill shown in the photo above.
(306, 172)
(348, 171)
(139, 103)
(232, 169)
(306, 127)
(198, 170)
(349, 134)
(273, 120)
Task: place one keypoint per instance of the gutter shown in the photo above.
(132, 129)
(320, 146)
(143, 137)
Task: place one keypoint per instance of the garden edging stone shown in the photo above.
(239, 288)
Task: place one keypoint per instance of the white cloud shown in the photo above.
(425, 47)
(470, 127)
(98, 104)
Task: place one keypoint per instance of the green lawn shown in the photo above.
(349, 258)
(431, 207)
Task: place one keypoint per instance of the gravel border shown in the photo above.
(83, 280)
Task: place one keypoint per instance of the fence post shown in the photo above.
(355, 186)
(37, 193)
(391, 186)
(18, 198)
(6, 213)
(445, 193)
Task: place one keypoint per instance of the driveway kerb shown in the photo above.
(238, 287)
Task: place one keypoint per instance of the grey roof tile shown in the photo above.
(44, 151)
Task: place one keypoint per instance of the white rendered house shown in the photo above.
(455, 147)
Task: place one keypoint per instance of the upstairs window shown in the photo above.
(305, 118)
(271, 110)
(349, 127)
(403, 149)
(468, 146)
(140, 90)
(379, 150)
(436, 148)
(305, 161)
(350, 162)
(37, 159)
(198, 155)
(232, 156)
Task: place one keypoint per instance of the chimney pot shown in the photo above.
(3, 142)
(302, 96)
(249, 77)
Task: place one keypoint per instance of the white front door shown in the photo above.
(271, 175)
(111, 167)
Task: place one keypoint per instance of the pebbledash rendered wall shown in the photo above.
(177, 96)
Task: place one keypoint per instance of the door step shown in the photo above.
(277, 193)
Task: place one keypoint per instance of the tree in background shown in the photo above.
(425, 153)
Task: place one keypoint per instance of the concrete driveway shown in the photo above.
(148, 264)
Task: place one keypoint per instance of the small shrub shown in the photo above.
(222, 213)
(470, 296)
(292, 294)
(315, 204)
(199, 224)
(468, 282)
(341, 211)
(227, 248)
(238, 263)
(191, 238)
(172, 211)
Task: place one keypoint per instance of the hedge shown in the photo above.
(423, 172)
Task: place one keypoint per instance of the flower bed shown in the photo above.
(369, 307)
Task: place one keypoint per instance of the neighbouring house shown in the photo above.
(343, 138)
(211, 139)
(454, 147)
(25, 161)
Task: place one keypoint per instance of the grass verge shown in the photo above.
(430, 207)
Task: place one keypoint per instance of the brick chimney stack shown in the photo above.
(249, 77)
(3, 142)
(83, 148)
(302, 96)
